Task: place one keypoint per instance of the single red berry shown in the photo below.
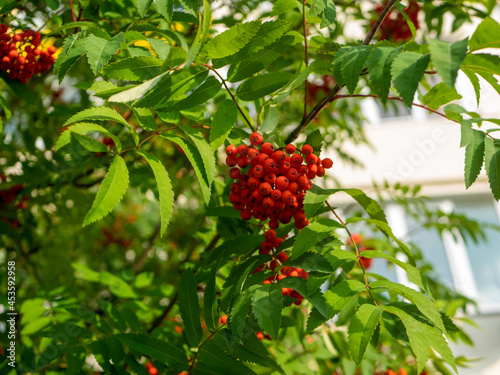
(311, 159)
(256, 139)
(278, 155)
(281, 183)
(243, 150)
(321, 172)
(51, 50)
(270, 178)
(270, 235)
(276, 194)
(231, 161)
(265, 188)
(243, 161)
(266, 247)
(260, 335)
(234, 173)
(253, 153)
(274, 224)
(292, 174)
(290, 149)
(258, 171)
(307, 149)
(223, 319)
(267, 148)
(296, 160)
(282, 257)
(327, 163)
(246, 214)
(268, 202)
(231, 150)
(253, 183)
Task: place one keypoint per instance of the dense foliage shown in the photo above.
(138, 251)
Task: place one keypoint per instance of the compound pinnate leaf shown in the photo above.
(190, 308)
(407, 71)
(160, 350)
(100, 50)
(379, 69)
(231, 41)
(85, 128)
(110, 192)
(361, 328)
(447, 58)
(164, 189)
(138, 68)
(267, 303)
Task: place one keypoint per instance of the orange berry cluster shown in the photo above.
(273, 188)
(21, 54)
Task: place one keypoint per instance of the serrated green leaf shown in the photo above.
(165, 8)
(422, 337)
(190, 308)
(262, 85)
(160, 350)
(492, 160)
(190, 5)
(482, 63)
(100, 51)
(134, 68)
(76, 359)
(138, 92)
(271, 118)
(102, 114)
(240, 310)
(89, 143)
(259, 60)
(474, 157)
(338, 63)
(267, 303)
(210, 309)
(447, 58)
(353, 62)
(205, 150)
(424, 304)
(76, 49)
(312, 234)
(311, 262)
(116, 285)
(315, 140)
(145, 118)
(85, 128)
(200, 95)
(222, 123)
(110, 192)
(407, 71)
(439, 95)
(326, 9)
(474, 80)
(361, 328)
(142, 6)
(101, 353)
(486, 35)
(164, 189)
(231, 41)
(379, 65)
(216, 359)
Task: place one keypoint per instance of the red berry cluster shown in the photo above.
(11, 196)
(21, 54)
(273, 188)
(394, 26)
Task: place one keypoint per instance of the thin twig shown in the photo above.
(230, 94)
(333, 92)
(306, 56)
(165, 312)
(203, 343)
(73, 16)
(142, 260)
(367, 285)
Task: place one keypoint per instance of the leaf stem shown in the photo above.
(367, 285)
(333, 92)
(230, 94)
(203, 343)
(73, 16)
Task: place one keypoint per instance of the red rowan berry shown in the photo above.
(223, 319)
(243, 150)
(296, 160)
(274, 224)
(276, 194)
(265, 188)
(256, 139)
(231, 150)
(246, 214)
(231, 161)
(278, 155)
(327, 163)
(258, 171)
(294, 188)
(270, 178)
(243, 162)
(290, 149)
(253, 183)
(255, 197)
(51, 50)
(234, 198)
(278, 207)
(292, 174)
(270, 235)
(253, 153)
(243, 180)
(234, 173)
(268, 202)
(307, 149)
(13, 54)
(277, 242)
(260, 335)
(311, 159)
(266, 247)
(321, 172)
(293, 274)
(267, 148)
(282, 257)
(281, 277)
(269, 165)
(282, 183)
(261, 159)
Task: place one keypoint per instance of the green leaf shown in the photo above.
(268, 36)
(222, 123)
(271, 118)
(259, 60)
(190, 5)
(231, 41)
(164, 189)
(262, 85)
(138, 92)
(315, 140)
(165, 8)
(482, 63)
(312, 234)
(474, 157)
(89, 143)
(200, 95)
(424, 304)
(145, 118)
(116, 285)
(76, 49)
(134, 68)
(353, 62)
(439, 95)
(201, 34)
(220, 362)
(361, 328)
(211, 313)
(267, 303)
(325, 9)
(85, 128)
(492, 160)
(113, 314)
(486, 35)
(102, 114)
(205, 150)
(240, 310)
(100, 51)
(142, 6)
(190, 308)
(311, 262)
(110, 192)
(447, 59)
(161, 350)
(407, 71)
(475, 83)
(422, 337)
(76, 359)
(379, 69)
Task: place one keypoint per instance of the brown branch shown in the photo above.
(230, 94)
(73, 16)
(367, 285)
(333, 92)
